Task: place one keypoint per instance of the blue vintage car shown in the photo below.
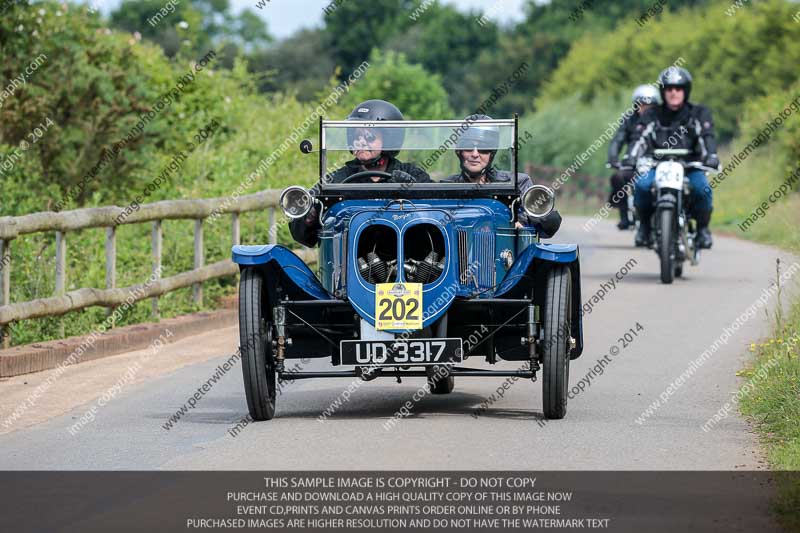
(414, 279)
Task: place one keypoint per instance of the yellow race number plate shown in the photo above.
(398, 306)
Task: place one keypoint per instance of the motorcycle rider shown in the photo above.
(367, 147)
(644, 98)
(677, 123)
(476, 149)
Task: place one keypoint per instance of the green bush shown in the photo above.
(733, 59)
(765, 109)
(94, 84)
(418, 93)
(568, 127)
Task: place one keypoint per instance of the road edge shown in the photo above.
(41, 356)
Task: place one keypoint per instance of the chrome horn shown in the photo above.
(295, 202)
(538, 201)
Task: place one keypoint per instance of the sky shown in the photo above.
(284, 17)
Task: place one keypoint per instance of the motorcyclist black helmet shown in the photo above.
(374, 111)
(675, 77)
(480, 136)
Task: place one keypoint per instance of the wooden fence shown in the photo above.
(110, 218)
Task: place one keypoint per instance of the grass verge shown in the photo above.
(770, 394)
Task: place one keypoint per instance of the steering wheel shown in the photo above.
(368, 173)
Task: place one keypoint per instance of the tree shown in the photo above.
(416, 92)
(91, 85)
(193, 28)
(133, 15)
(449, 42)
(355, 28)
(301, 63)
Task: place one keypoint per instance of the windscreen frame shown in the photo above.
(500, 190)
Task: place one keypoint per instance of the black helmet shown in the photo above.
(375, 110)
(478, 136)
(675, 77)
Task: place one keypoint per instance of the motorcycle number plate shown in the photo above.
(669, 175)
(398, 306)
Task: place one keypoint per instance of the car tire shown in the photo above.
(666, 250)
(440, 385)
(556, 333)
(255, 340)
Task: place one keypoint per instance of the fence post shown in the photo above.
(5, 284)
(111, 263)
(236, 236)
(61, 272)
(197, 288)
(156, 248)
(61, 262)
(273, 229)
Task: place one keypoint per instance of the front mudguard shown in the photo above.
(533, 265)
(290, 283)
(284, 269)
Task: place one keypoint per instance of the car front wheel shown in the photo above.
(255, 338)
(555, 354)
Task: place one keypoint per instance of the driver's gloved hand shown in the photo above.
(627, 162)
(400, 176)
(712, 160)
(548, 225)
(312, 215)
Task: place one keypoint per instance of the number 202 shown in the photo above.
(397, 310)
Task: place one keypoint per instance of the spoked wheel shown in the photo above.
(557, 328)
(255, 339)
(440, 382)
(666, 248)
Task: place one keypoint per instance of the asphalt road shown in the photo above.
(600, 432)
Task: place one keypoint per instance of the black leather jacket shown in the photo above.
(690, 127)
(354, 166)
(627, 133)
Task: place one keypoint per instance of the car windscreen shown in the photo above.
(442, 149)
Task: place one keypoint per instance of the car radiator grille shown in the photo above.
(476, 248)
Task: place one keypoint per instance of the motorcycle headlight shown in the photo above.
(538, 201)
(295, 202)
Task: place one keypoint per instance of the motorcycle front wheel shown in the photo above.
(666, 245)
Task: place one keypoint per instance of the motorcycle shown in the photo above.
(673, 231)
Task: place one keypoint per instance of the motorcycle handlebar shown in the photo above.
(701, 166)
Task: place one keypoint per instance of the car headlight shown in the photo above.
(295, 202)
(538, 201)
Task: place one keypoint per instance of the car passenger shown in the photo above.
(476, 149)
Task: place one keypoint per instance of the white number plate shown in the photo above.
(669, 175)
